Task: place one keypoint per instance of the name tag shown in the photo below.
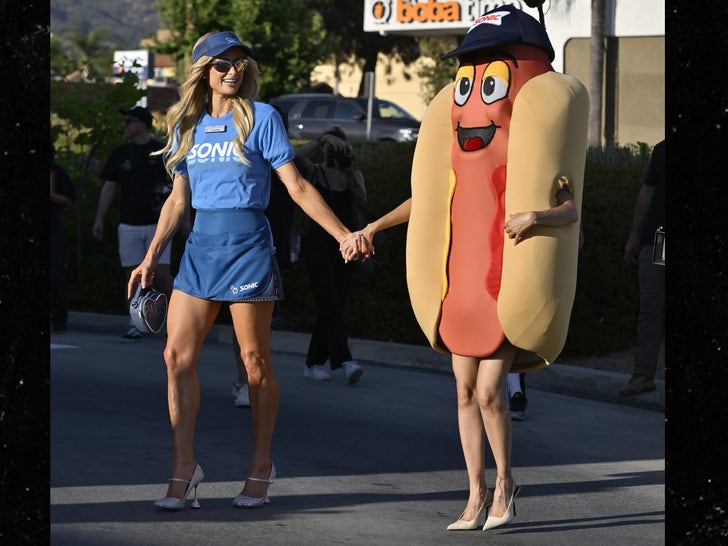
(215, 128)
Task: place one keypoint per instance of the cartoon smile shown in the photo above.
(472, 139)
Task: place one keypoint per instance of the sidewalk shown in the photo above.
(567, 379)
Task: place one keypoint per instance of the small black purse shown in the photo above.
(148, 309)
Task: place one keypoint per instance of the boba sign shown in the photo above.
(417, 15)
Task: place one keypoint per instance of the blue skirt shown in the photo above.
(229, 256)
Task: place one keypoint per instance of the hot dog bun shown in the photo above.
(428, 234)
(547, 145)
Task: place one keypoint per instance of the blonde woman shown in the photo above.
(221, 148)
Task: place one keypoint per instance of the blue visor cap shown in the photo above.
(217, 43)
(500, 26)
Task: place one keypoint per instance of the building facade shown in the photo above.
(634, 88)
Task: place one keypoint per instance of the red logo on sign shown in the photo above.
(430, 12)
(381, 10)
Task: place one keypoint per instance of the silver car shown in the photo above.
(310, 114)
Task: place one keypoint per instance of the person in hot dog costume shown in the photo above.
(493, 231)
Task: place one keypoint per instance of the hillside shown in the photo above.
(126, 21)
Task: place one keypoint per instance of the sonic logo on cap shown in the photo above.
(493, 29)
(494, 18)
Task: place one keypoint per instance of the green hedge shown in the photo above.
(606, 305)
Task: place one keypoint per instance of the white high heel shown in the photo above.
(171, 503)
(469, 525)
(243, 501)
(496, 521)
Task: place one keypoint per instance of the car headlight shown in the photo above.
(408, 134)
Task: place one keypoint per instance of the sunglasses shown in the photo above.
(224, 66)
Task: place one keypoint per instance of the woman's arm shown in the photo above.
(394, 217)
(173, 212)
(311, 202)
(562, 214)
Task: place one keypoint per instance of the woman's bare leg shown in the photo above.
(470, 425)
(252, 322)
(188, 321)
(492, 374)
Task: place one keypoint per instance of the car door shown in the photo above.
(349, 116)
(311, 119)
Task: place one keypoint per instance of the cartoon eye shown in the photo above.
(496, 79)
(463, 84)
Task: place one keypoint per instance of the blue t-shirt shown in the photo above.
(218, 178)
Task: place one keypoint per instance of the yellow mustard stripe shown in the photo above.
(448, 234)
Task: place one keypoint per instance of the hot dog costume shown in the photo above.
(503, 138)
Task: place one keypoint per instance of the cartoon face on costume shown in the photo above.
(485, 89)
(486, 85)
(502, 119)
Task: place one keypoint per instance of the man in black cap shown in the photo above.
(144, 186)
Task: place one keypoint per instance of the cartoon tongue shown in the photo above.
(471, 144)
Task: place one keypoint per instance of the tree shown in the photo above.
(288, 38)
(90, 53)
(439, 73)
(83, 136)
(61, 63)
(346, 38)
(596, 72)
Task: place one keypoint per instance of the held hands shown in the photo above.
(355, 246)
(518, 224)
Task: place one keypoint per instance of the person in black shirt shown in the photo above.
(649, 215)
(341, 185)
(62, 195)
(144, 186)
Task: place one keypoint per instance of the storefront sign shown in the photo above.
(401, 16)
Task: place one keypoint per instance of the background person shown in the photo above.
(341, 185)
(221, 149)
(516, 392)
(649, 214)
(144, 185)
(62, 195)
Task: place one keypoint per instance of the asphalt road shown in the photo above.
(374, 463)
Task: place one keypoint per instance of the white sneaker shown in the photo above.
(242, 395)
(353, 370)
(319, 373)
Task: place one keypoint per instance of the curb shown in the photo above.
(558, 378)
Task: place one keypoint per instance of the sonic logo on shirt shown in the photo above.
(212, 152)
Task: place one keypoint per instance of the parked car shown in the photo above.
(310, 114)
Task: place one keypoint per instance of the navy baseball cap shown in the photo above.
(500, 26)
(140, 113)
(217, 43)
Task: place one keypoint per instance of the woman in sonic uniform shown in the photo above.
(469, 253)
(221, 149)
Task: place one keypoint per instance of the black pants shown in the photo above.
(652, 304)
(59, 312)
(329, 340)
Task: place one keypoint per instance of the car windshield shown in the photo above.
(386, 110)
